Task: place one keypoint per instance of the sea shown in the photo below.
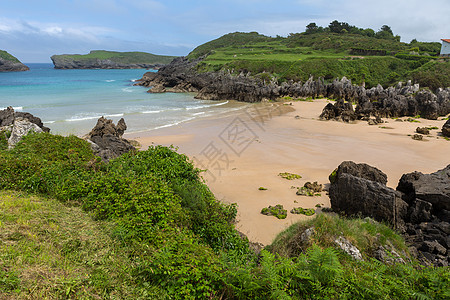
(71, 101)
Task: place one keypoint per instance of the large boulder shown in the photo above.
(419, 207)
(8, 115)
(340, 111)
(446, 129)
(106, 139)
(359, 189)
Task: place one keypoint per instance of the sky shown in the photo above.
(34, 30)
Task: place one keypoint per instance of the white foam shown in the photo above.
(110, 80)
(76, 119)
(199, 113)
(173, 124)
(16, 108)
(151, 111)
(114, 115)
(128, 89)
(206, 106)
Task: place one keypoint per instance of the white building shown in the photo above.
(445, 50)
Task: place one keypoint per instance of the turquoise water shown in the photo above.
(71, 101)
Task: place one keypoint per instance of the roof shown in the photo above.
(446, 40)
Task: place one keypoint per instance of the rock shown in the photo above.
(306, 235)
(8, 115)
(21, 127)
(417, 137)
(340, 111)
(423, 130)
(446, 129)
(181, 75)
(363, 171)
(315, 187)
(106, 139)
(348, 248)
(12, 65)
(111, 60)
(419, 208)
(388, 256)
(433, 188)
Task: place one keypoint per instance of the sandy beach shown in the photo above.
(247, 149)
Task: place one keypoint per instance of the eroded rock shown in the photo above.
(106, 139)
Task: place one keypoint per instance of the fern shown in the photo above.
(324, 264)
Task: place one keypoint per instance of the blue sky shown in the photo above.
(33, 30)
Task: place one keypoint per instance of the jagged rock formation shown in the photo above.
(106, 139)
(19, 124)
(12, 66)
(110, 60)
(446, 129)
(419, 207)
(181, 75)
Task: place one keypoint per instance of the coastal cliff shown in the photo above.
(9, 63)
(100, 59)
(181, 75)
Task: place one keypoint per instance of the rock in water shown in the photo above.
(446, 129)
(106, 139)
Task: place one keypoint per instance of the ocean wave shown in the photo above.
(151, 111)
(199, 113)
(109, 80)
(174, 123)
(77, 119)
(128, 90)
(114, 115)
(16, 108)
(205, 106)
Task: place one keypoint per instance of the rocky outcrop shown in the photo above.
(12, 66)
(100, 59)
(446, 129)
(106, 139)
(181, 75)
(19, 124)
(340, 111)
(419, 207)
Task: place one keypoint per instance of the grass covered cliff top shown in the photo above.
(338, 50)
(119, 57)
(6, 56)
(146, 226)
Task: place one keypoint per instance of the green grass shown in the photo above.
(5, 55)
(120, 57)
(49, 250)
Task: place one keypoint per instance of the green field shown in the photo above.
(328, 55)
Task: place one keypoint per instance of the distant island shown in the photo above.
(9, 63)
(101, 59)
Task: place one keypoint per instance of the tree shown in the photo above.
(311, 28)
(387, 29)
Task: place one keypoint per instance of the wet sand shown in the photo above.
(247, 149)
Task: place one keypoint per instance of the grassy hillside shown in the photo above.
(120, 57)
(146, 226)
(327, 54)
(5, 55)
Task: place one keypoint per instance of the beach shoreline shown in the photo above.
(247, 149)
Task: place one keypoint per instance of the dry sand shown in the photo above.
(247, 149)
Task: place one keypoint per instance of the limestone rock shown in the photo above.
(21, 127)
(106, 139)
(348, 248)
